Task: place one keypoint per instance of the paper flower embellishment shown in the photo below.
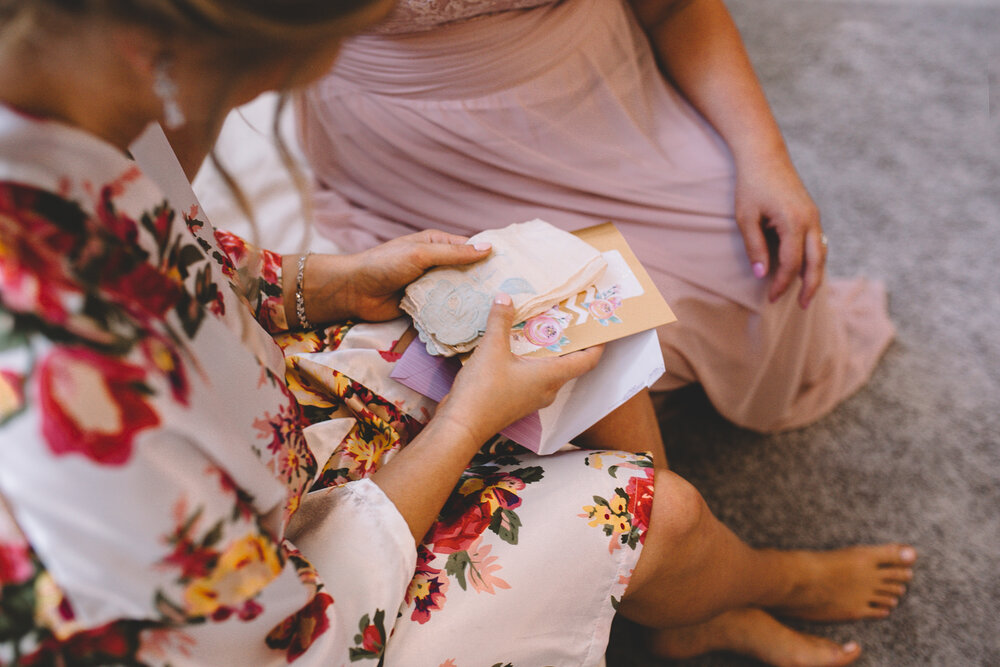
(545, 331)
(604, 305)
(456, 313)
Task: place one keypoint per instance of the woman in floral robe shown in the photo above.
(176, 490)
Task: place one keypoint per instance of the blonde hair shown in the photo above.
(244, 32)
(273, 22)
(292, 167)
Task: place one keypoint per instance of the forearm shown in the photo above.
(493, 389)
(699, 48)
(325, 288)
(423, 474)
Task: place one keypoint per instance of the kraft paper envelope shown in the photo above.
(623, 302)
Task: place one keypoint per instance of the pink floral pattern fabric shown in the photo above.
(113, 338)
(155, 465)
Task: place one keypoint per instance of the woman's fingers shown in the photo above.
(575, 364)
(532, 383)
(430, 254)
(498, 324)
(770, 198)
(496, 388)
(790, 257)
(813, 268)
(436, 236)
(748, 219)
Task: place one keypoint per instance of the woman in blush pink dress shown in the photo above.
(473, 114)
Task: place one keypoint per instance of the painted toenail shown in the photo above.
(850, 647)
(907, 554)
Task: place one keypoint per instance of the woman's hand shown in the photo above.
(369, 285)
(493, 389)
(699, 49)
(780, 226)
(496, 387)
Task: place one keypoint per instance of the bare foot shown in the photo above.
(756, 633)
(847, 584)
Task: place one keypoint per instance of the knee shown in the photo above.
(675, 538)
(679, 510)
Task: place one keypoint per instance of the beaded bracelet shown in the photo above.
(300, 305)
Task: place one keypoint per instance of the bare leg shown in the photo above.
(632, 427)
(756, 633)
(693, 570)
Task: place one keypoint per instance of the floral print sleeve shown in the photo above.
(150, 461)
(256, 273)
(99, 354)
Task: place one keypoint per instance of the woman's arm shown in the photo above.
(493, 389)
(700, 50)
(369, 285)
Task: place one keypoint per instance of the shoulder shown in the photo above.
(74, 274)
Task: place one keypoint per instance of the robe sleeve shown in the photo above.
(118, 524)
(257, 276)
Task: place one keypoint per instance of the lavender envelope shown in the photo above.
(627, 366)
(432, 377)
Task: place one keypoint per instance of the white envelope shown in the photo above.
(627, 366)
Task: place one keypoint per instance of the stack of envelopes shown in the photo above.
(537, 264)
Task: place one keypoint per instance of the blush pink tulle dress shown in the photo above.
(465, 115)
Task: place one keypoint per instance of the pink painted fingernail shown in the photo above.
(502, 299)
(850, 646)
(759, 270)
(482, 246)
(907, 554)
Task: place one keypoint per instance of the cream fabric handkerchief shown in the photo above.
(535, 263)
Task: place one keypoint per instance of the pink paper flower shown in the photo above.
(604, 309)
(543, 330)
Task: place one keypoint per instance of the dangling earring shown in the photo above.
(165, 88)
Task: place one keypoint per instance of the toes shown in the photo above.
(896, 574)
(881, 605)
(895, 555)
(896, 590)
(888, 601)
(900, 554)
(849, 652)
(824, 653)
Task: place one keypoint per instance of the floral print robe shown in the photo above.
(176, 490)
